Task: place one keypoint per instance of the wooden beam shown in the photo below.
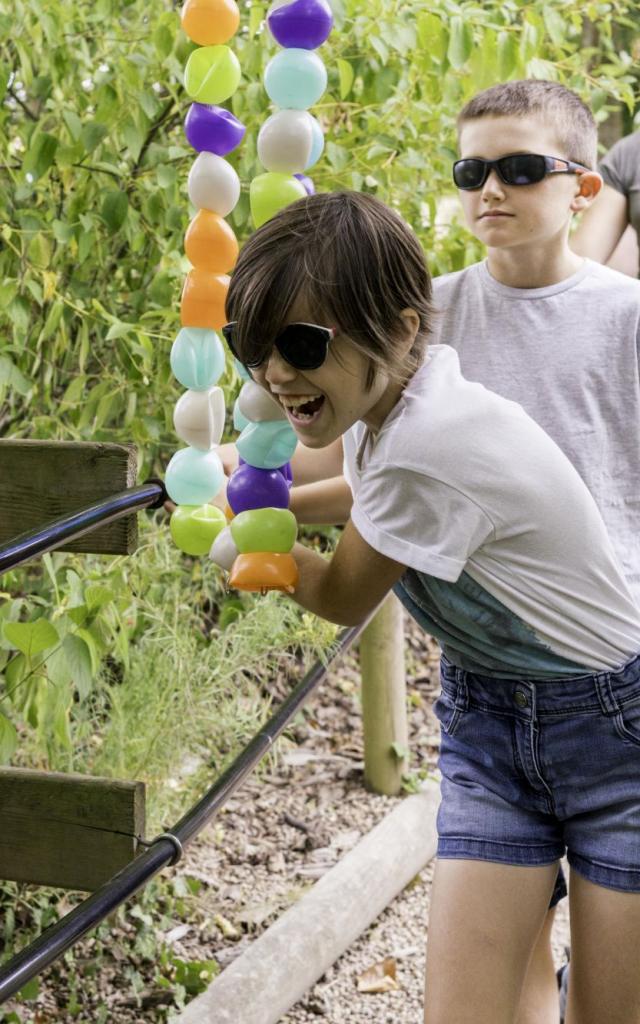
(42, 480)
(73, 831)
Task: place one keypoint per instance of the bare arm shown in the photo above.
(308, 464)
(325, 502)
(350, 585)
(601, 226)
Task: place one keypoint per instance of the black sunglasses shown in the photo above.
(303, 346)
(516, 169)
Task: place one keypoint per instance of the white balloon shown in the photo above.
(285, 141)
(223, 550)
(213, 184)
(199, 418)
(258, 405)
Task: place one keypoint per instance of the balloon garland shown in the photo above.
(212, 74)
(256, 548)
(256, 545)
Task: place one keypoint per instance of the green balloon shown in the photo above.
(272, 192)
(195, 527)
(264, 529)
(212, 74)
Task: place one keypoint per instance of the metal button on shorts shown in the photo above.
(521, 699)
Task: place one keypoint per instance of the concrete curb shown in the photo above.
(279, 967)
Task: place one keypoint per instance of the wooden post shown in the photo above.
(384, 704)
(73, 831)
(42, 480)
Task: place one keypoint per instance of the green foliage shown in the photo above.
(93, 198)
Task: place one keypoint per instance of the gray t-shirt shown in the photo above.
(569, 354)
(620, 168)
(508, 560)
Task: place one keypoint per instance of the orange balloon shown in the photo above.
(210, 243)
(229, 513)
(264, 570)
(210, 22)
(203, 298)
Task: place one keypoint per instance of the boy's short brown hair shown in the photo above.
(352, 259)
(563, 109)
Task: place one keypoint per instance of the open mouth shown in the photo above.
(302, 409)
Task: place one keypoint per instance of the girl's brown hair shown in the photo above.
(352, 259)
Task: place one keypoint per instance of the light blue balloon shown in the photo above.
(241, 370)
(317, 144)
(239, 420)
(197, 358)
(267, 445)
(295, 79)
(193, 477)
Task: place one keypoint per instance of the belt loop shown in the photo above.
(606, 696)
(462, 690)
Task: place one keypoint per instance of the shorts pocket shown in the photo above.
(627, 721)
(448, 714)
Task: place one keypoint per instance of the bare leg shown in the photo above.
(604, 982)
(539, 999)
(483, 925)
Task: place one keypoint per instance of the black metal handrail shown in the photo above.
(168, 847)
(54, 534)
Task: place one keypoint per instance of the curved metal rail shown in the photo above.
(168, 847)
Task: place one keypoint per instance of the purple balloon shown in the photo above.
(212, 129)
(287, 472)
(250, 487)
(302, 23)
(310, 188)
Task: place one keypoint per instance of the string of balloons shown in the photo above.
(254, 539)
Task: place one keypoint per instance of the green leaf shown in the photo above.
(31, 637)
(346, 73)
(92, 135)
(79, 661)
(115, 206)
(507, 54)
(460, 42)
(163, 40)
(40, 155)
(8, 739)
(554, 24)
(97, 595)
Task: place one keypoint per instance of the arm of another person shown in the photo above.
(308, 464)
(601, 226)
(346, 588)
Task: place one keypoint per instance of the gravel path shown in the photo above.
(280, 834)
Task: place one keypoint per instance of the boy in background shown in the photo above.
(556, 333)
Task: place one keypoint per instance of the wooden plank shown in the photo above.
(42, 480)
(72, 831)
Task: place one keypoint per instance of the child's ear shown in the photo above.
(410, 325)
(589, 184)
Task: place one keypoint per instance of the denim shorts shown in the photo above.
(534, 769)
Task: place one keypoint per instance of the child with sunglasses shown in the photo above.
(552, 331)
(464, 506)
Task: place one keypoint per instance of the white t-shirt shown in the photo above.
(569, 354)
(508, 560)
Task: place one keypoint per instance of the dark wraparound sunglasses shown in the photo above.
(516, 169)
(303, 346)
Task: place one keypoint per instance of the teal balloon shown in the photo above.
(267, 445)
(241, 370)
(317, 144)
(197, 358)
(239, 420)
(295, 79)
(193, 477)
